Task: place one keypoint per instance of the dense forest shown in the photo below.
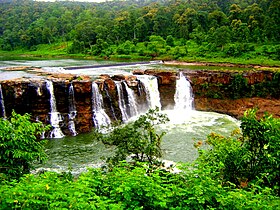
(166, 29)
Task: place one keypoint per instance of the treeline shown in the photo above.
(145, 27)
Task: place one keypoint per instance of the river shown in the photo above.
(82, 151)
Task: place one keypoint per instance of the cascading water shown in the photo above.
(55, 116)
(151, 88)
(183, 128)
(2, 103)
(183, 96)
(100, 118)
(131, 106)
(72, 111)
(122, 104)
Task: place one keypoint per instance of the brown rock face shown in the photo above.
(26, 97)
(220, 91)
(236, 108)
(110, 98)
(131, 80)
(83, 95)
(33, 97)
(233, 93)
(226, 92)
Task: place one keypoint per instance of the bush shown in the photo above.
(238, 87)
(250, 158)
(19, 146)
(208, 183)
(132, 187)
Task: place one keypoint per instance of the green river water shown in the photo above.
(82, 151)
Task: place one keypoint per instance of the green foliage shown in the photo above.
(238, 87)
(251, 157)
(138, 140)
(239, 172)
(220, 29)
(170, 40)
(238, 49)
(132, 187)
(19, 146)
(262, 140)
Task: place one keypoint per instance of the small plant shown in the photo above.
(238, 87)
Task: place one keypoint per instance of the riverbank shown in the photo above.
(47, 52)
(230, 65)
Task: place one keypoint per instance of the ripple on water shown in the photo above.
(84, 151)
(185, 128)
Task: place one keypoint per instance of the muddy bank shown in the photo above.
(181, 63)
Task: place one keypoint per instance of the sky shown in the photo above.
(77, 0)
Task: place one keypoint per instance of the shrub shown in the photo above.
(252, 157)
(19, 145)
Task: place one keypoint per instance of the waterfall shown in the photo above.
(72, 111)
(183, 96)
(100, 118)
(55, 116)
(122, 103)
(131, 106)
(2, 103)
(151, 88)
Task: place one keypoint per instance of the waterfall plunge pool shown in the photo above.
(183, 129)
(82, 151)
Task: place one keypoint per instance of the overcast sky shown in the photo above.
(77, 0)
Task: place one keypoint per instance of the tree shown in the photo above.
(220, 36)
(19, 145)
(187, 22)
(170, 40)
(85, 33)
(217, 19)
(138, 140)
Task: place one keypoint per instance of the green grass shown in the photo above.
(262, 61)
(59, 50)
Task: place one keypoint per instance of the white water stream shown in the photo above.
(183, 96)
(122, 104)
(2, 103)
(55, 116)
(185, 127)
(100, 118)
(72, 111)
(131, 106)
(151, 88)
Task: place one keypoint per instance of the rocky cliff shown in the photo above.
(228, 92)
(33, 96)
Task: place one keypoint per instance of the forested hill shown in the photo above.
(144, 28)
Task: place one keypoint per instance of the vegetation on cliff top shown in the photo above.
(206, 30)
